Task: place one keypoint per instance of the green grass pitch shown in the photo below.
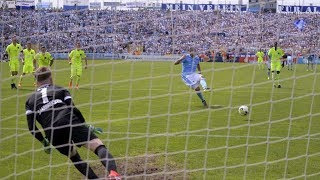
(152, 122)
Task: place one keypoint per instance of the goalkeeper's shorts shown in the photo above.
(64, 138)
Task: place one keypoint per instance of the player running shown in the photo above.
(44, 58)
(14, 49)
(75, 60)
(28, 62)
(190, 62)
(276, 54)
(64, 125)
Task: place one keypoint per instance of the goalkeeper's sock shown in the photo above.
(200, 95)
(203, 83)
(83, 167)
(106, 158)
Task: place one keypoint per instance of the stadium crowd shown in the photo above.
(158, 32)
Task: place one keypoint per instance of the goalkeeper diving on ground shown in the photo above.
(64, 125)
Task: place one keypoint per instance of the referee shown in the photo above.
(64, 125)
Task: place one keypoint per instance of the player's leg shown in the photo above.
(20, 80)
(259, 64)
(25, 70)
(204, 84)
(72, 74)
(14, 67)
(81, 135)
(277, 76)
(268, 72)
(78, 73)
(200, 95)
(60, 139)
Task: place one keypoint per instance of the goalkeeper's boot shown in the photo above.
(204, 102)
(206, 89)
(93, 129)
(113, 175)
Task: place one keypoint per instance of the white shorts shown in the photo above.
(289, 60)
(192, 80)
(268, 64)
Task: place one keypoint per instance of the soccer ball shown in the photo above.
(243, 110)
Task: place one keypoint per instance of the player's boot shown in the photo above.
(14, 86)
(204, 102)
(113, 175)
(70, 85)
(34, 84)
(279, 86)
(77, 86)
(11, 86)
(19, 85)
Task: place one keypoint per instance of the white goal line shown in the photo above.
(184, 134)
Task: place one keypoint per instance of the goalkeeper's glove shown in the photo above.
(46, 146)
(93, 129)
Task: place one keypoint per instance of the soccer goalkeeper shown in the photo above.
(64, 125)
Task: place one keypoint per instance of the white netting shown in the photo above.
(154, 126)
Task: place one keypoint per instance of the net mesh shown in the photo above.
(153, 124)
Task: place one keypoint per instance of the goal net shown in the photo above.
(154, 125)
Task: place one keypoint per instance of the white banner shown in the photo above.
(10, 4)
(26, 3)
(75, 2)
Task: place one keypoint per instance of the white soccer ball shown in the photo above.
(243, 110)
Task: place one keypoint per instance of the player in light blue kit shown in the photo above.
(190, 63)
(290, 60)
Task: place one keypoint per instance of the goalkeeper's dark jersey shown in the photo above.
(51, 106)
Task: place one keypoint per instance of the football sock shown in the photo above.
(78, 80)
(106, 158)
(83, 167)
(200, 95)
(21, 76)
(278, 78)
(13, 79)
(203, 83)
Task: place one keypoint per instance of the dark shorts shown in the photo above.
(63, 138)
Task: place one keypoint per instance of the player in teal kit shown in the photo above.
(190, 63)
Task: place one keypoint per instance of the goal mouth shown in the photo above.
(155, 126)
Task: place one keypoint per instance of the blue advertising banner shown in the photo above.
(204, 7)
(74, 7)
(297, 9)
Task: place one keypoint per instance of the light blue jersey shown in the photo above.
(189, 64)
